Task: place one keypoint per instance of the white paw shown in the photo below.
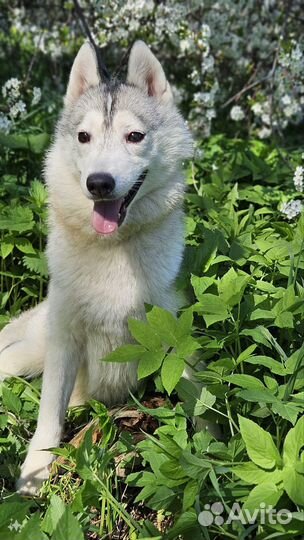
(35, 470)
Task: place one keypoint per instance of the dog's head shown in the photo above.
(122, 142)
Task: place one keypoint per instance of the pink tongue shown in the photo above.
(106, 215)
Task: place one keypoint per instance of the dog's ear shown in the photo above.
(145, 71)
(83, 74)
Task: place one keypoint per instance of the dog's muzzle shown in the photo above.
(109, 214)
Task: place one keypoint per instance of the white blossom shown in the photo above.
(219, 50)
(5, 124)
(36, 95)
(296, 53)
(257, 109)
(185, 44)
(210, 113)
(208, 64)
(298, 178)
(11, 89)
(18, 108)
(292, 209)
(266, 118)
(206, 98)
(206, 31)
(51, 108)
(237, 113)
(264, 132)
(286, 99)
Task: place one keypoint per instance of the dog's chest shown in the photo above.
(107, 283)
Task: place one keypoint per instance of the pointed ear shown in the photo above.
(145, 72)
(83, 74)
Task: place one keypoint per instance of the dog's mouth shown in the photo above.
(109, 214)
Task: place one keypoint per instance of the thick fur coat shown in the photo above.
(99, 279)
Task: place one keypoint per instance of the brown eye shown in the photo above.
(135, 137)
(84, 137)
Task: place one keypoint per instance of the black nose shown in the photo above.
(100, 184)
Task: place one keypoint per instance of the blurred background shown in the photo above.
(236, 66)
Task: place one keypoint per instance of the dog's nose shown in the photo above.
(100, 184)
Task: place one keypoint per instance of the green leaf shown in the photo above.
(289, 411)
(256, 335)
(164, 324)
(276, 367)
(31, 530)
(213, 309)
(273, 342)
(293, 484)
(252, 474)
(161, 499)
(172, 470)
(187, 346)
(267, 493)
(231, 287)
(195, 467)
(25, 246)
(200, 285)
(145, 334)
(204, 402)
(38, 193)
(280, 251)
(11, 401)
(150, 529)
(17, 218)
(149, 363)
(171, 371)
(11, 511)
(265, 286)
(245, 354)
(36, 263)
(245, 381)
(36, 143)
(126, 353)
(185, 522)
(188, 392)
(191, 491)
(295, 361)
(294, 441)
(257, 395)
(284, 320)
(6, 247)
(259, 444)
(53, 514)
(261, 314)
(68, 527)
(185, 322)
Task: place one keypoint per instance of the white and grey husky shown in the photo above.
(115, 183)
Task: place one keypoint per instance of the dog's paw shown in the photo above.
(34, 472)
(30, 485)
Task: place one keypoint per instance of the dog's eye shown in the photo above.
(84, 136)
(135, 137)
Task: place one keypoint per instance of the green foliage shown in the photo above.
(239, 340)
(22, 229)
(158, 336)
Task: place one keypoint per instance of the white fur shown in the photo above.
(97, 282)
(83, 74)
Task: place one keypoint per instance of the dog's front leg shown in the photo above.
(59, 376)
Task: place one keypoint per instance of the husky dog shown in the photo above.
(116, 235)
